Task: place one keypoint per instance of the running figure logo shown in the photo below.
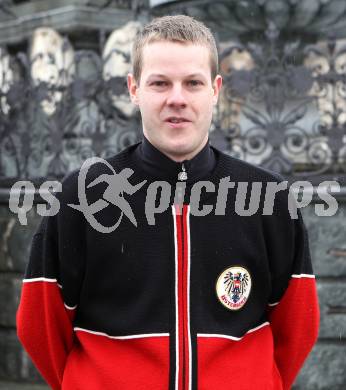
(118, 184)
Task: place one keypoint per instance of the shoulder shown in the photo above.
(240, 170)
(91, 169)
(274, 188)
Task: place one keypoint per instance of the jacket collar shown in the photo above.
(159, 166)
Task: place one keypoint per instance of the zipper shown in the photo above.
(183, 315)
(179, 196)
(183, 341)
(182, 175)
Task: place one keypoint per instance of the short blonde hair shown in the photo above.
(177, 28)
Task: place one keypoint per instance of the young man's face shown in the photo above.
(176, 97)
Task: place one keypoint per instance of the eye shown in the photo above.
(194, 83)
(158, 83)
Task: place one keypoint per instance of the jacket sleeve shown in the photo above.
(293, 306)
(50, 288)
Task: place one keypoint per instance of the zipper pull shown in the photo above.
(182, 176)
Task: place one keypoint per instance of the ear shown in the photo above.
(217, 84)
(133, 88)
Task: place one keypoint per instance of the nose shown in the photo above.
(176, 97)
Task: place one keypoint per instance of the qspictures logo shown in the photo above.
(247, 196)
(117, 185)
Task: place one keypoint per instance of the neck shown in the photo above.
(183, 157)
(165, 167)
(176, 155)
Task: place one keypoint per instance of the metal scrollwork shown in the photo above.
(275, 90)
(283, 104)
(59, 106)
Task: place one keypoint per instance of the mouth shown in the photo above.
(176, 120)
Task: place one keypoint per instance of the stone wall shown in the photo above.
(325, 368)
(15, 240)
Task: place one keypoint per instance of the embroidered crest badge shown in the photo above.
(233, 287)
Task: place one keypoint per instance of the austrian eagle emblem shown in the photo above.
(233, 287)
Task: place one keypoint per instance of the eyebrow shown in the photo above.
(193, 75)
(156, 75)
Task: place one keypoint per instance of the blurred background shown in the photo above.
(63, 98)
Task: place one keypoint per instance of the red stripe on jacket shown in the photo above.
(44, 326)
(98, 362)
(295, 323)
(183, 330)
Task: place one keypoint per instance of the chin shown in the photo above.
(180, 150)
(180, 146)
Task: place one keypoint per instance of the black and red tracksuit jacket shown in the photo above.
(138, 309)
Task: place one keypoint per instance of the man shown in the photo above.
(180, 301)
